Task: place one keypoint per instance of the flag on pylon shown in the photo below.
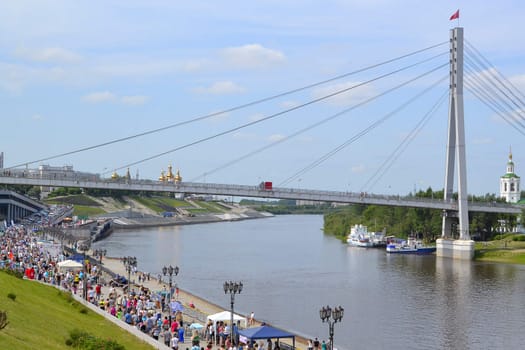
(455, 15)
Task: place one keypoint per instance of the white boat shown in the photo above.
(359, 237)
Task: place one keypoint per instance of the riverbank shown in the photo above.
(126, 223)
(501, 251)
(196, 309)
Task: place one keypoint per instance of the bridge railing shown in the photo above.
(211, 188)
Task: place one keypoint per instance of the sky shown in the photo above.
(83, 73)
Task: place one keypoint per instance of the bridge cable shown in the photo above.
(322, 98)
(362, 132)
(490, 84)
(231, 109)
(493, 69)
(387, 164)
(492, 95)
(487, 95)
(303, 130)
(485, 98)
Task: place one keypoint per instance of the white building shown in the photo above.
(509, 184)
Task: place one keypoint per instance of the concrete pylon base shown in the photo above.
(456, 249)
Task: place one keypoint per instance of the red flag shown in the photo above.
(455, 15)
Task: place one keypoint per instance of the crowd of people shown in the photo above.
(23, 250)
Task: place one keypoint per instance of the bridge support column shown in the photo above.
(446, 246)
(455, 248)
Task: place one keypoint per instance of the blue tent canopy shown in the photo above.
(266, 332)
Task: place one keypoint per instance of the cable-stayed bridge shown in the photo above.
(483, 81)
(258, 192)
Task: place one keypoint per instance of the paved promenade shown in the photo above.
(197, 314)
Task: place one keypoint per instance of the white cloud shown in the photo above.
(98, 97)
(50, 54)
(347, 98)
(289, 104)
(36, 117)
(220, 88)
(218, 117)
(252, 56)
(518, 81)
(358, 168)
(276, 137)
(256, 117)
(106, 96)
(134, 100)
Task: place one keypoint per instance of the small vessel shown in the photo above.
(410, 246)
(359, 237)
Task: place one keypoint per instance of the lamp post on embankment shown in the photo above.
(332, 317)
(99, 253)
(232, 288)
(130, 262)
(84, 247)
(170, 271)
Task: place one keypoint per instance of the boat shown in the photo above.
(359, 237)
(410, 246)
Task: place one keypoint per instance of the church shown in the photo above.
(509, 184)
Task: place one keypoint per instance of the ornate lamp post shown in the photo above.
(84, 246)
(332, 317)
(129, 262)
(232, 288)
(99, 253)
(170, 271)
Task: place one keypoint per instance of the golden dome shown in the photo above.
(162, 177)
(114, 176)
(178, 178)
(169, 176)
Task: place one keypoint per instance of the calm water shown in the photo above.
(290, 269)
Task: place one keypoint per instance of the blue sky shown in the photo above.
(76, 74)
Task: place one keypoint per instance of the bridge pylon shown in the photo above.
(462, 248)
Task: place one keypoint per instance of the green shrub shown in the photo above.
(11, 296)
(518, 238)
(16, 273)
(3, 319)
(82, 340)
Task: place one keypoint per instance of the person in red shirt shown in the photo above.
(98, 291)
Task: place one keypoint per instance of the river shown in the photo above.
(290, 269)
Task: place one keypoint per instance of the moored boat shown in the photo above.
(360, 237)
(410, 246)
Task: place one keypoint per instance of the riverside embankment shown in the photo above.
(196, 309)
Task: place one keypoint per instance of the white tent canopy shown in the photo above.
(226, 316)
(69, 265)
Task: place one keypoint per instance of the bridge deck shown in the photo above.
(257, 192)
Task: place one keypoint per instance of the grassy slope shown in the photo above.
(81, 210)
(513, 252)
(40, 318)
(160, 204)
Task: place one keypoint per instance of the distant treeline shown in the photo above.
(423, 223)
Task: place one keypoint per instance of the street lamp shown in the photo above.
(99, 253)
(336, 316)
(170, 271)
(84, 246)
(129, 262)
(232, 288)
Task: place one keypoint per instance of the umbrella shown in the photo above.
(176, 306)
(196, 326)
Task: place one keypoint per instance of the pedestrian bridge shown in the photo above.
(257, 192)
